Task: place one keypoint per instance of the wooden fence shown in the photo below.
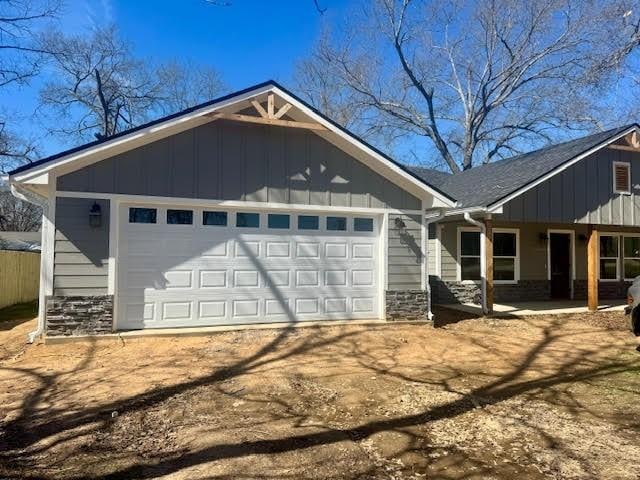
(19, 277)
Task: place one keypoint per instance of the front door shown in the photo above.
(560, 264)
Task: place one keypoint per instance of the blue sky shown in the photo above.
(248, 42)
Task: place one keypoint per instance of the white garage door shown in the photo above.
(193, 266)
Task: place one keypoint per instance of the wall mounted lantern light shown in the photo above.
(400, 225)
(95, 215)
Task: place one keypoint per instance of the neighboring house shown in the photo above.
(557, 223)
(252, 208)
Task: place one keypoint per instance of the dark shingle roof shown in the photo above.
(430, 175)
(487, 184)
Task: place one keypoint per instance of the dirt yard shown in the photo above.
(532, 398)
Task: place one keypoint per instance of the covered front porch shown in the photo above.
(508, 268)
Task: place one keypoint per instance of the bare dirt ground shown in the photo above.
(475, 398)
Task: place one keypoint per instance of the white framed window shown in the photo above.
(609, 254)
(469, 255)
(506, 255)
(622, 177)
(631, 256)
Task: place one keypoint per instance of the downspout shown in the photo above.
(428, 220)
(43, 202)
(483, 258)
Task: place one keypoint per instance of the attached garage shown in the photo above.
(189, 266)
(250, 209)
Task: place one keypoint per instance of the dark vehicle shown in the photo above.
(633, 307)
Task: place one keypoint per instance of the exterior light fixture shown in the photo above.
(400, 225)
(95, 216)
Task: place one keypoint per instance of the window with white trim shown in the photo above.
(505, 256)
(631, 257)
(469, 254)
(609, 253)
(621, 177)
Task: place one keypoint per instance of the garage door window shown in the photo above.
(363, 224)
(308, 222)
(336, 223)
(218, 219)
(179, 217)
(142, 215)
(278, 220)
(248, 220)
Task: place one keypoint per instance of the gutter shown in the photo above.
(43, 202)
(483, 258)
(429, 219)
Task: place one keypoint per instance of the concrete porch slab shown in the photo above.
(554, 307)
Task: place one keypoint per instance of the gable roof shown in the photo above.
(206, 107)
(491, 183)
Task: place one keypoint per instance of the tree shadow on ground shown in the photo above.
(35, 429)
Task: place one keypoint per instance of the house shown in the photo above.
(251, 208)
(557, 223)
(256, 208)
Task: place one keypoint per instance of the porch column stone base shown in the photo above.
(79, 315)
(406, 305)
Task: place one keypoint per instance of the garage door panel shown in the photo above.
(178, 279)
(276, 307)
(335, 250)
(250, 248)
(245, 308)
(176, 311)
(213, 278)
(181, 275)
(246, 278)
(278, 249)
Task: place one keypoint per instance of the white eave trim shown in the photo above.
(200, 113)
(494, 207)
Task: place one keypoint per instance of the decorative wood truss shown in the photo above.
(270, 116)
(630, 142)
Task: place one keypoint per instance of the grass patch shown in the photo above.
(19, 311)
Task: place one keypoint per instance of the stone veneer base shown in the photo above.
(407, 305)
(523, 291)
(79, 315)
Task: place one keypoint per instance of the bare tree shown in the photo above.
(21, 58)
(478, 79)
(18, 216)
(183, 84)
(20, 55)
(98, 87)
(14, 150)
(97, 83)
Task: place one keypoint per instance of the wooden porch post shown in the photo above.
(592, 269)
(489, 264)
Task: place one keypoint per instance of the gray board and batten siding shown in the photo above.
(229, 161)
(583, 193)
(81, 257)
